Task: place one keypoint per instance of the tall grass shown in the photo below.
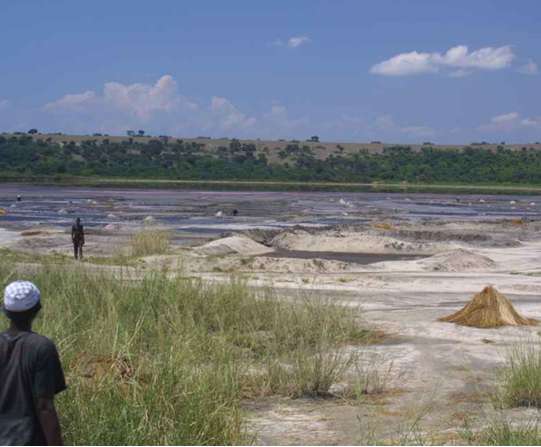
(168, 361)
(149, 242)
(521, 377)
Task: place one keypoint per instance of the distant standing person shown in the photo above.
(78, 238)
(30, 373)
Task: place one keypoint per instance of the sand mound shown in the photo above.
(489, 309)
(233, 245)
(458, 261)
(306, 266)
(350, 242)
(35, 232)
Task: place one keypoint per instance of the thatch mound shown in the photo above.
(489, 309)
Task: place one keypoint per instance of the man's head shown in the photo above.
(22, 301)
(78, 221)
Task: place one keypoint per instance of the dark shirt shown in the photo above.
(29, 369)
(78, 234)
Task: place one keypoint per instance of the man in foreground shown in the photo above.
(30, 373)
(78, 238)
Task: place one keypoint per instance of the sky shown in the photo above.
(394, 71)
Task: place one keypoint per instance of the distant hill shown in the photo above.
(321, 149)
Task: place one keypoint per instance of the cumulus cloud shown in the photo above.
(511, 121)
(72, 101)
(160, 108)
(457, 59)
(228, 116)
(529, 68)
(139, 100)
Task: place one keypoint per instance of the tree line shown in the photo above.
(24, 155)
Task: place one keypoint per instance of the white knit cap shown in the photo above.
(20, 296)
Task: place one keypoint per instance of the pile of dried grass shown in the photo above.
(489, 309)
(384, 226)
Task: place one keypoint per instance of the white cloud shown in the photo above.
(510, 122)
(458, 58)
(405, 64)
(530, 68)
(228, 116)
(387, 123)
(139, 100)
(505, 118)
(142, 99)
(160, 108)
(292, 42)
(531, 122)
(72, 101)
(297, 41)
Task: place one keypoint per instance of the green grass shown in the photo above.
(521, 377)
(502, 432)
(149, 241)
(276, 185)
(169, 361)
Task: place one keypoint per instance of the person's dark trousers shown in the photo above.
(78, 250)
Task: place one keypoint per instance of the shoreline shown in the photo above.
(271, 185)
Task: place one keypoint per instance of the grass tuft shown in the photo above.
(521, 378)
(502, 432)
(150, 242)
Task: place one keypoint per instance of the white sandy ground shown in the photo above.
(440, 375)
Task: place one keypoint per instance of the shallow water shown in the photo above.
(194, 212)
(356, 258)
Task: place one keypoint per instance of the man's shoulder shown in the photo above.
(40, 342)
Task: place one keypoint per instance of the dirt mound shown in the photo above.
(233, 245)
(443, 236)
(36, 232)
(350, 242)
(489, 309)
(458, 261)
(306, 266)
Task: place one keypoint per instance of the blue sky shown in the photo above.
(396, 71)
